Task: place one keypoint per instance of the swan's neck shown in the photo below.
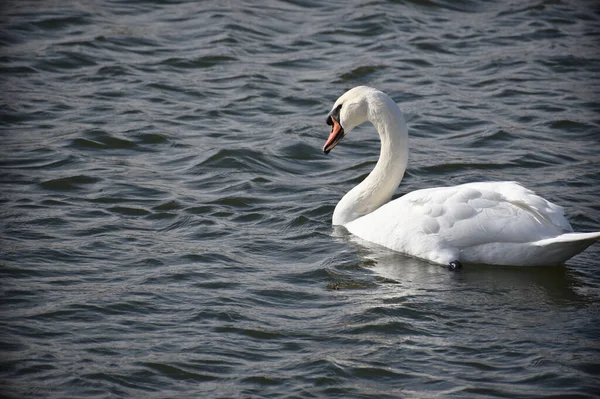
(379, 186)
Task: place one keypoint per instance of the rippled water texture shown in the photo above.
(166, 207)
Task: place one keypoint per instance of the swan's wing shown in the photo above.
(479, 213)
(499, 223)
(487, 220)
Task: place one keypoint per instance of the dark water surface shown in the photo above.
(166, 205)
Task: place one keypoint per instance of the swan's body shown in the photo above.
(491, 222)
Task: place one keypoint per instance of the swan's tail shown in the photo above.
(564, 247)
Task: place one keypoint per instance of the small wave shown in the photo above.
(69, 183)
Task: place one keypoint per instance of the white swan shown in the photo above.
(493, 222)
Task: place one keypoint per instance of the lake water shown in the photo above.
(166, 206)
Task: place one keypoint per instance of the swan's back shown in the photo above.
(470, 222)
(480, 212)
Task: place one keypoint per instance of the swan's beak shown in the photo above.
(336, 135)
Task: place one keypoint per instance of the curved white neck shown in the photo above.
(379, 186)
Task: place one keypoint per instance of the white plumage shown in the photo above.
(491, 222)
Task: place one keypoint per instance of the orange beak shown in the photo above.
(336, 135)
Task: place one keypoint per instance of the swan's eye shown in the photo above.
(334, 114)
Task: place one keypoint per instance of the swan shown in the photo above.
(499, 223)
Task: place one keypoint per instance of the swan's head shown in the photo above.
(349, 111)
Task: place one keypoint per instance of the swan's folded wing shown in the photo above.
(440, 223)
(479, 213)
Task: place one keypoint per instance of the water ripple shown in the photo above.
(166, 205)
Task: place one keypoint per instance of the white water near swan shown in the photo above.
(166, 205)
